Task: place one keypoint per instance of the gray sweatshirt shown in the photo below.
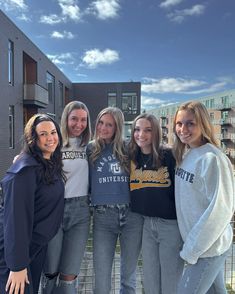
(204, 192)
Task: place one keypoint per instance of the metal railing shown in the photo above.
(86, 279)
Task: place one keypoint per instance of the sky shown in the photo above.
(178, 49)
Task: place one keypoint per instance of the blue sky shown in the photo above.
(177, 49)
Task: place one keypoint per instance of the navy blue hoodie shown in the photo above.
(31, 213)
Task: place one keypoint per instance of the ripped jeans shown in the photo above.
(66, 250)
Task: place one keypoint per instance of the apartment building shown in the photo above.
(221, 107)
(30, 83)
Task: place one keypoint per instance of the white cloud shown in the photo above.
(51, 19)
(180, 15)
(211, 89)
(61, 59)
(70, 9)
(104, 9)
(62, 35)
(24, 17)
(184, 86)
(150, 102)
(13, 5)
(93, 58)
(82, 75)
(170, 3)
(169, 85)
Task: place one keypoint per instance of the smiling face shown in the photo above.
(47, 138)
(187, 129)
(143, 135)
(106, 128)
(77, 122)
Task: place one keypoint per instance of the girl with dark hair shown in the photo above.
(152, 196)
(32, 208)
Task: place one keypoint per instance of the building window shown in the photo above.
(112, 99)
(10, 62)
(129, 103)
(212, 103)
(11, 127)
(61, 94)
(224, 114)
(51, 86)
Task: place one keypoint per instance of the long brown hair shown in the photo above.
(49, 167)
(134, 149)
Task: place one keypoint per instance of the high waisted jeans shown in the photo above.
(111, 223)
(162, 265)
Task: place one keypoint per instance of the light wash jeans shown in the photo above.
(66, 250)
(162, 265)
(206, 276)
(111, 223)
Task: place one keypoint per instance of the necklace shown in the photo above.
(145, 159)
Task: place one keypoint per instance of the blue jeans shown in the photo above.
(162, 265)
(206, 276)
(111, 223)
(66, 250)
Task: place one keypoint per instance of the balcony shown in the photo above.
(225, 106)
(227, 136)
(35, 95)
(227, 121)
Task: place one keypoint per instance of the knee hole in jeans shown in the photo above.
(51, 276)
(65, 277)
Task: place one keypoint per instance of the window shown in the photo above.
(129, 103)
(51, 86)
(61, 94)
(11, 127)
(224, 114)
(112, 99)
(212, 103)
(10, 62)
(225, 100)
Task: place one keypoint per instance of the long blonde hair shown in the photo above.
(119, 149)
(203, 121)
(156, 140)
(86, 135)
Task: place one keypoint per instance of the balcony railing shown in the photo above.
(227, 136)
(228, 120)
(35, 94)
(86, 275)
(222, 106)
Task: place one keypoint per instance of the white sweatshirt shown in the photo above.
(75, 168)
(204, 192)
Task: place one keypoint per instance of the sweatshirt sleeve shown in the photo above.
(19, 192)
(218, 185)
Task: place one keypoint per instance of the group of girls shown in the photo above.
(175, 205)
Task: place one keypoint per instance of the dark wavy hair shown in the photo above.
(48, 167)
